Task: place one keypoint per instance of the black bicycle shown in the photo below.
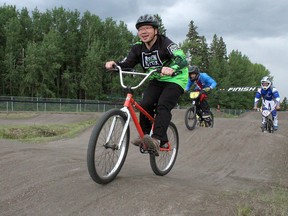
(267, 114)
(194, 114)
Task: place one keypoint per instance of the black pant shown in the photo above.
(203, 103)
(159, 98)
(205, 106)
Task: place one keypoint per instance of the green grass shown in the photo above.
(17, 115)
(40, 133)
(272, 201)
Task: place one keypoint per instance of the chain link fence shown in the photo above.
(35, 104)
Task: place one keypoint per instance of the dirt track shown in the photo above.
(213, 165)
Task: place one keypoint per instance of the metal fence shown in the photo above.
(35, 104)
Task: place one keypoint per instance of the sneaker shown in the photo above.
(137, 141)
(205, 115)
(275, 127)
(164, 145)
(152, 144)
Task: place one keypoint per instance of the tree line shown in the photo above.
(60, 53)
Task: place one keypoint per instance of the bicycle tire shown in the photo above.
(270, 126)
(104, 159)
(190, 118)
(162, 164)
(211, 125)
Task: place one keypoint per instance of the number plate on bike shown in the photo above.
(265, 113)
(194, 95)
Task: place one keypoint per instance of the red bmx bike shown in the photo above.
(109, 141)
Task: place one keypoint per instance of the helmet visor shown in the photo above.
(266, 84)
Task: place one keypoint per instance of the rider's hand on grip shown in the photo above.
(110, 65)
(167, 71)
(205, 90)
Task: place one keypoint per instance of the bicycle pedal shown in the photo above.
(143, 150)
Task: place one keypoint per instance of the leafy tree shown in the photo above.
(60, 53)
(284, 104)
(195, 47)
(43, 64)
(13, 51)
(161, 29)
(92, 72)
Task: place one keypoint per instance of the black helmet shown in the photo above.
(147, 20)
(194, 69)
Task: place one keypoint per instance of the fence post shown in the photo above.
(37, 105)
(12, 104)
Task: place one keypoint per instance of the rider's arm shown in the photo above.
(209, 81)
(257, 98)
(276, 95)
(129, 62)
(175, 57)
(189, 84)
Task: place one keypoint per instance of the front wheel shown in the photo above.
(270, 126)
(162, 164)
(191, 118)
(106, 151)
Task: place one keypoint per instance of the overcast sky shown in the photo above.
(256, 28)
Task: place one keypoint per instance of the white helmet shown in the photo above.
(265, 83)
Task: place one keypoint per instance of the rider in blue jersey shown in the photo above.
(203, 83)
(270, 97)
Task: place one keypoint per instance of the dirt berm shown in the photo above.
(215, 166)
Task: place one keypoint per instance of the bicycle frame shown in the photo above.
(130, 104)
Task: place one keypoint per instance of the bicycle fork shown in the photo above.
(112, 128)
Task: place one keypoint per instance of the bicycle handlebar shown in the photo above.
(146, 75)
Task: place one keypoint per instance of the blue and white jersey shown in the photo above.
(271, 94)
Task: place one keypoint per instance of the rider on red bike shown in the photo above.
(203, 83)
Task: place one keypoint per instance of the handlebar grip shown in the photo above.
(174, 74)
(114, 69)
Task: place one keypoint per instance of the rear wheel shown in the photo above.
(210, 122)
(162, 164)
(190, 118)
